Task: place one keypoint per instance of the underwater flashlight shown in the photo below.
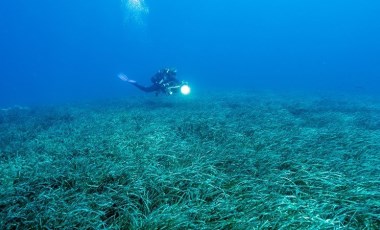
(185, 90)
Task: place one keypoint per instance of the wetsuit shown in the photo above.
(164, 81)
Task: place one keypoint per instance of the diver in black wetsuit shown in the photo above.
(164, 81)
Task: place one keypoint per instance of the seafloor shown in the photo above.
(223, 161)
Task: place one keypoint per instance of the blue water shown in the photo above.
(66, 50)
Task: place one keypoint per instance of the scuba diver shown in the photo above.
(164, 81)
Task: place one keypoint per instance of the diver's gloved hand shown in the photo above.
(124, 77)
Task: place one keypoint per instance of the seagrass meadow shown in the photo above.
(222, 161)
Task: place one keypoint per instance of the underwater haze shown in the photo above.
(59, 51)
(281, 129)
